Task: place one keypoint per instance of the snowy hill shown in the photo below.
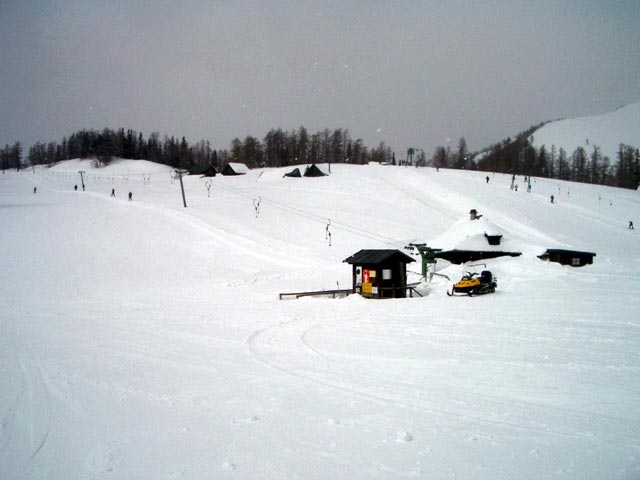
(142, 339)
(606, 131)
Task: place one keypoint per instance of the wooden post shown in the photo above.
(184, 200)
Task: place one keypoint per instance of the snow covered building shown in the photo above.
(476, 239)
(235, 169)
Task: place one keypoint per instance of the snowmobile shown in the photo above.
(472, 284)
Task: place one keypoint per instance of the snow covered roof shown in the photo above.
(238, 168)
(472, 235)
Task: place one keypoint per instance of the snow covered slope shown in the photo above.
(142, 339)
(606, 131)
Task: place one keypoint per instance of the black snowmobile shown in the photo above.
(473, 284)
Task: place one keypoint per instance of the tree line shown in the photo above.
(520, 157)
(11, 156)
(277, 149)
(280, 148)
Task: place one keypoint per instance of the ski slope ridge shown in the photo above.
(606, 131)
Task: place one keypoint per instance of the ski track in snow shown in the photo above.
(32, 405)
(237, 243)
(535, 381)
(306, 362)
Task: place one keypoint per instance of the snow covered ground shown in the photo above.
(606, 131)
(142, 339)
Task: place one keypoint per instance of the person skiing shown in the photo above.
(113, 192)
(552, 198)
(34, 189)
(487, 178)
(630, 225)
(130, 196)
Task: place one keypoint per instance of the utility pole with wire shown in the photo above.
(81, 172)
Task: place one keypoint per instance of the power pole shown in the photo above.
(81, 172)
(410, 152)
(184, 200)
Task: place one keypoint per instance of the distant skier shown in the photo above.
(630, 225)
(113, 192)
(487, 178)
(130, 196)
(552, 198)
(75, 187)
(34, 189)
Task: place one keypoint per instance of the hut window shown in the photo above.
(386, 274)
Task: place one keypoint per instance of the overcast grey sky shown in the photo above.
(410, 73)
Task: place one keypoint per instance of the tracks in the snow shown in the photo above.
(288, 347)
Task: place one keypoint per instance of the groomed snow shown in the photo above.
(142, 339)
(606, 131)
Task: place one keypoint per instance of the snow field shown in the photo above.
(145, 340)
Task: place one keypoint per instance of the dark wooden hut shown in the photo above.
(313, 171)
(380, 273)
(295, 173)
(568, 257)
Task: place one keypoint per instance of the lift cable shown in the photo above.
(319, 218)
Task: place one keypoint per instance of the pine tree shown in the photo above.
(579, 165)
(595, 165)
(461, 157)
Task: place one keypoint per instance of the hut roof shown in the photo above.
(294, 173)
(313, 171)
(574, 258)
(364, 257)
(569, 252)
(464, 256)
(235, 169)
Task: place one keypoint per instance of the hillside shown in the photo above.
(607, 131)
(142, 339)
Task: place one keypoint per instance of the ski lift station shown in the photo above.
(380, 273)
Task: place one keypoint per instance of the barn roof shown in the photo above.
(235, 168)
(364, 257)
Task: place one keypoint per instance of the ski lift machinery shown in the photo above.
(428, 255)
